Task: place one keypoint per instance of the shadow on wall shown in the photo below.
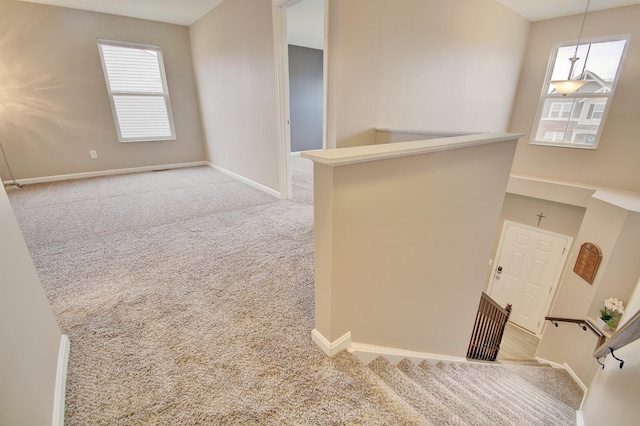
(35, 102)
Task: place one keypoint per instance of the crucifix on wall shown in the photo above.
(540, 217)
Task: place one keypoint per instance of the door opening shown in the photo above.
(528, 265)
(302, 23)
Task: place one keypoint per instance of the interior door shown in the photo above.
(528, 266)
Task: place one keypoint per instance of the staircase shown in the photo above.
(513, 393)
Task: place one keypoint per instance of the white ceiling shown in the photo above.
(186, 12)
(305, 24)
(181, 12)
(538, 10)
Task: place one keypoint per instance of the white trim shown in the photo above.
(367, 353)
(575, 377)
(359, 154)
(331, 348)
(56, 178)
(245, 180)
(61, 382)
(568, 369)
(112, 94)
(551, 363)
(283, 116)
(325, 75)
(544, 96)
(285, 3)
(579, 418)
(557, 276)
(572, 193)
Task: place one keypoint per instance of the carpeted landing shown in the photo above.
(188, 299)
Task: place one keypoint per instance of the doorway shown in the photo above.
(302, 24)
(528, 265)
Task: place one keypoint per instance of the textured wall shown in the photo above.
(421, 64)
(233, 54)
(615, 163)
(55, 106)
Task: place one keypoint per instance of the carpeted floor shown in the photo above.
(188, 299)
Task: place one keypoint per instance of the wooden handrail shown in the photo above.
(506, 310)
(584, 324)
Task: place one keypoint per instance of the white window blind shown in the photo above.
(138, 91)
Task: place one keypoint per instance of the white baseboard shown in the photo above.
(71, 176)
(331, 348)
(245, 180)
(551, 363)
(367, 353)
(579, 418)
(61, 382)
(575, 377)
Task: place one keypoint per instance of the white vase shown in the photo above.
(603, 325)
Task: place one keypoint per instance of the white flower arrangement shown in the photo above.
(612, 308)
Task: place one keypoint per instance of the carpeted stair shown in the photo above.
(483, 394)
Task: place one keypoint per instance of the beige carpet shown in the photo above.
(188, 299)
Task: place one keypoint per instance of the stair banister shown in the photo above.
(628, 333)
(585, 324)
(488, 330)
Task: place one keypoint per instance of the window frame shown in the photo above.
(545, 96)
(114, 93)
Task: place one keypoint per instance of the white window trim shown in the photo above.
(557, 135)
(165, 87)
(562, 109)
(545, 86)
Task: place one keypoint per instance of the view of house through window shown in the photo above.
(576, 120)
(138, 91)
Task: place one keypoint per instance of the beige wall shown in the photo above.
(233, 54)
(54, 106)
(421, 64)
(613, 396)
(616, 231)
(615, 163)
(28, 331)
(397, 251)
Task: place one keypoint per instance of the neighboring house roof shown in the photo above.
(595, 83)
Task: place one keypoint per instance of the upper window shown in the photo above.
(577, 119)
(138, 91)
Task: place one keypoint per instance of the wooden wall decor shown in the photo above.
(588, 261)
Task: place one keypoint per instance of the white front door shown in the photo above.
(528, 266)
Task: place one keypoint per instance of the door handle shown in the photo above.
(498, 272)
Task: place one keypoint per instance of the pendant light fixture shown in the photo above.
(565, 87)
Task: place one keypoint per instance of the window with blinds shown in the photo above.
(138, 91)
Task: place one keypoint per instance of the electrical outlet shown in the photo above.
(93, 153)
(228, 155)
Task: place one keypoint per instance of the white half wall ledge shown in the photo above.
(331, 348)
(571, 193)
(565, 192)
(359, 154)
